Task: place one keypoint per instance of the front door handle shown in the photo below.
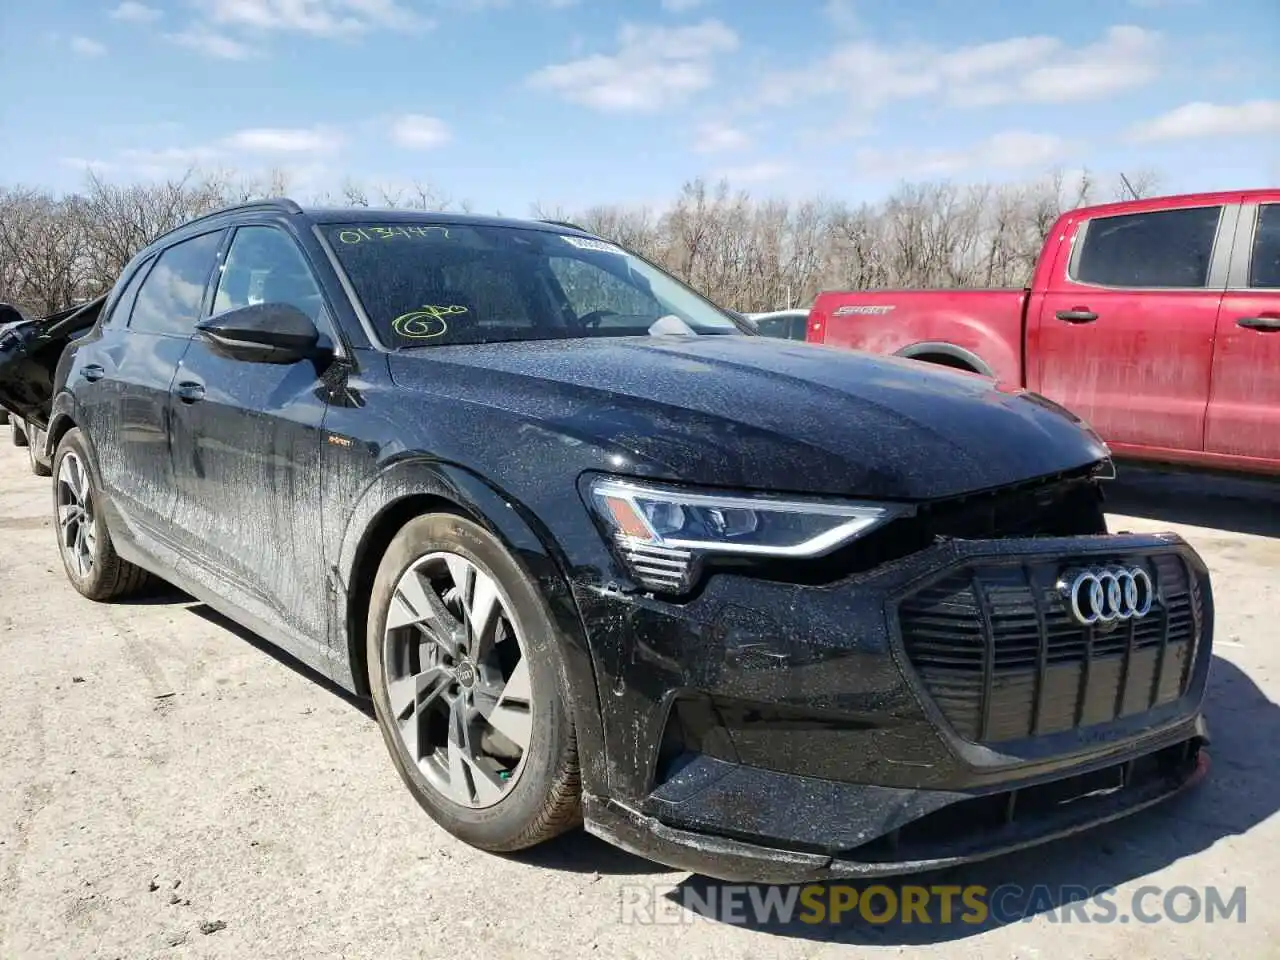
(93, 372)
(1077, 315)
(189, 391)
(1265, 324)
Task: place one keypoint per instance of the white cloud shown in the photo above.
(1011, 149)
(715, 137)
(247, 151)
(681, 6)
(752, 173)
(1025, 69)
(211, 43)
(133, 12)
(842, 14)
(1125, 58)
(654, 68)
(284, 140)
(87, 47)
(1202, 119)
(233, 29)
(87, 164)
(419, 132)
(323, 18)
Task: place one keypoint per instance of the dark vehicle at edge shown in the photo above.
(763, 610)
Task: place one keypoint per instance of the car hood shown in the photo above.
(758, 413)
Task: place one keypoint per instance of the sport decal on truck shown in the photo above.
(869, 309)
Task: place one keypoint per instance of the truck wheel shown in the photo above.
(467, 687)
(19, 435)
(4, 416)
(88, 556)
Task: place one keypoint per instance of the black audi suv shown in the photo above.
(597, 553)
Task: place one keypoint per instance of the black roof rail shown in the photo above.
(564, 223)
(282, 204)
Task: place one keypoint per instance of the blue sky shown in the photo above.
(575, 102)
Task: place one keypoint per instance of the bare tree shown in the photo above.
(741, 251)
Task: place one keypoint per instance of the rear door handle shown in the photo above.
(189, 391)
(92, 372)
(1078, 315)
(1265, 324)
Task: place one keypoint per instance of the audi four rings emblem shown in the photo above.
(1108, 594)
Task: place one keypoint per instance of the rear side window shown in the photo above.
(170, 297)
(1264, 266)
(124, 306)
(1160, 248)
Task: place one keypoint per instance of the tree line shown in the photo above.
(743, 251)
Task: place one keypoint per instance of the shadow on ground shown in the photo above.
(1232, 503)
(1241, 791)
(276, 653)
(573, 852)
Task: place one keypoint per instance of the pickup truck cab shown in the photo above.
(1157, 321)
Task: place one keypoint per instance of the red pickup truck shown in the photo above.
(1156, 320)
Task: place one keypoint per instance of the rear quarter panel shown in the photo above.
(984, 324)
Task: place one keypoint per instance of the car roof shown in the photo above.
(227, 216)
(333, 215)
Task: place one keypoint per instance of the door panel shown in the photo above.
(126, 408)
(1244, 409)
(1126, 329)
(246, 445)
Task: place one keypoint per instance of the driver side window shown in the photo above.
(588, 288)
(264, 265)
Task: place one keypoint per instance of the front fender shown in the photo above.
(383, 500)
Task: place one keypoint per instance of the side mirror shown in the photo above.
(264, 333)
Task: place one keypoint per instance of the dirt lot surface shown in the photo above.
(171, 787)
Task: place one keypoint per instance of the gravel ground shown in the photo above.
(171, 787)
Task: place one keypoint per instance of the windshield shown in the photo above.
(430, 284)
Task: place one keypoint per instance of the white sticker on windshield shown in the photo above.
(586, 243)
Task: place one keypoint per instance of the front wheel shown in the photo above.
(467, 689)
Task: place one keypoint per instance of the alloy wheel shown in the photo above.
(457, 679)
(77, 523)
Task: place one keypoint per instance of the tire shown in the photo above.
(96, 571)
(38, 468)
(494, 801)
(4, 416)
(18, 435)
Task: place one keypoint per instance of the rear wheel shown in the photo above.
(88, 556)
(38, 468)
(467, 689)
(17, 434)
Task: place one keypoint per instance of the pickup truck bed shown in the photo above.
(978, 330)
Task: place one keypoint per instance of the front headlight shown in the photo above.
(663, 533)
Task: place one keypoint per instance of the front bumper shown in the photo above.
(742, 749)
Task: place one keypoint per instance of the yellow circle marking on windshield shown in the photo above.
(425, 322)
